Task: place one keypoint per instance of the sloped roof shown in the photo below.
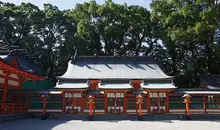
(211, 81)
(114, 67)
(24, 63)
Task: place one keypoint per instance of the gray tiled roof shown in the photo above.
(211, 81)
(114, 67)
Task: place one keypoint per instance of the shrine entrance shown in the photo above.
(115, 103)
(157, 102)
(73, 102)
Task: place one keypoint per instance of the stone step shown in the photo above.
(115, 117)
(202, 116)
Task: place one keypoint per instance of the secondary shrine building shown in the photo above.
(115, 81)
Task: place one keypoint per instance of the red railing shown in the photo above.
(10, 108)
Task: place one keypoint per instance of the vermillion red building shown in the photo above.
(114, 83)
(15, 68)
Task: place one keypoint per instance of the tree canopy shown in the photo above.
(182, 35)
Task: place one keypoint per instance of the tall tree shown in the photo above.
(55, 33)
(191, 26)
(17, 23)
(106, 31)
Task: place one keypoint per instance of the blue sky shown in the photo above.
(68, 4)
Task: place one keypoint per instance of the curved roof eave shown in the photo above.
(21, 71)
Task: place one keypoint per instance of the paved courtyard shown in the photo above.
(57, 124)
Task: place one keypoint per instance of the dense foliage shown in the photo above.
(183, 35)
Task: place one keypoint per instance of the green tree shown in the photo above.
(191, 27)
(103, 30)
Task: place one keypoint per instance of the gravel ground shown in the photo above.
(57, 124)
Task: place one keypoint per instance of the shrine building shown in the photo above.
(113, 81)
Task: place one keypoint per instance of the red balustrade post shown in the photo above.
(44, 102)
(90, 102)
(187, 101)
(140, 102)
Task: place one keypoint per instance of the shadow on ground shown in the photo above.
(36, 123)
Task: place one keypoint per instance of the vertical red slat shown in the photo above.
(63, 103)
(148, 100)
(167, 102)
(125, 103)
(82, 103)
(106, 103)
(204, 103)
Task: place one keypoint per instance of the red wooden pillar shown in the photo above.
(63, 102)
(125, 103)
(157, 102)
(20, 83)
(137, 107)
(187, 101)
(27, 104)
(4, 94)
(90, 102)
(106, 102)
(204, 103)
(82, 103)
(148, 100)
(94, 102)
(5, 87)
(187, 108)
(167, 102)
(140, 109)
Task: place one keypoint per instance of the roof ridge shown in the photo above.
(135, 58)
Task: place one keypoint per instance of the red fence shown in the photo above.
(10, 108)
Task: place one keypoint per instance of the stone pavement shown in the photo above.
(61, 124)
